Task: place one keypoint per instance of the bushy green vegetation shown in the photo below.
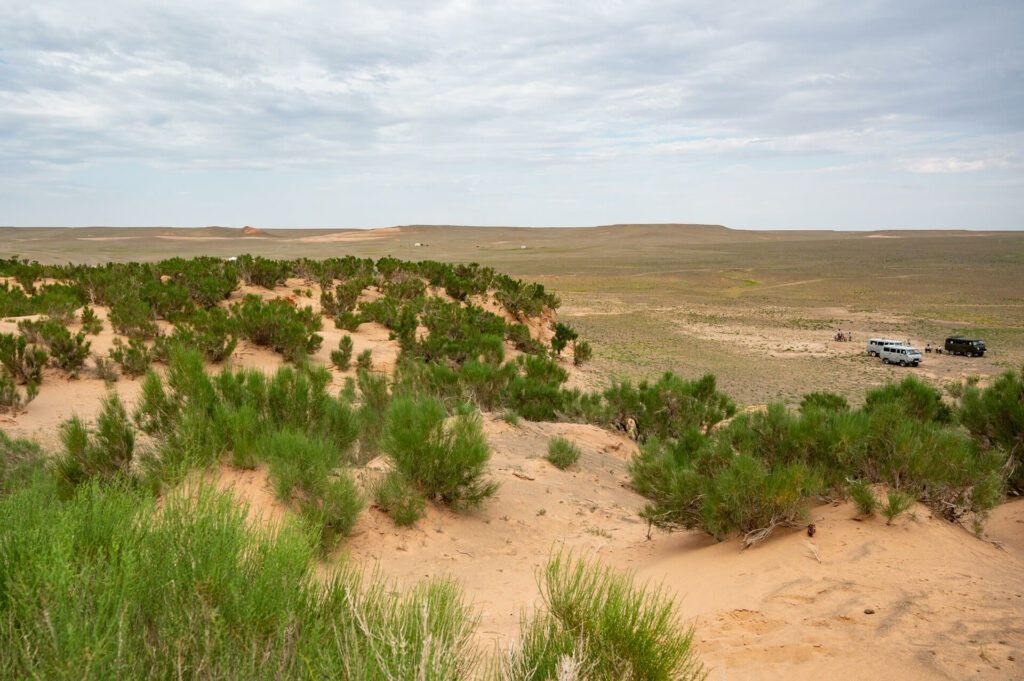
(994, 416)
(342, 357)
(276, 324)
(562, 453)
(106, 452)
(106, 585)
(762, 469)
(598, 624)
(67, 351)
(444, 461)
(133, 358)
(23, 362)
(399, 499)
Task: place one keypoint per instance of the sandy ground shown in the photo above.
(943, 604)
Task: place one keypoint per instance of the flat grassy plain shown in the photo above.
(756, 308)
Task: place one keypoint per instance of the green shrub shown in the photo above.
(191, 588)
(277, 325)
(582, 352)
(105, 453)
(12, 398)
(995, 419)
(348, 321)
(519, 336)
(66, 351)
(598, 624)
(669, 407)
(365, 360)
(562, 453)
(399, 499)
(895, 504)
(824, 400)
(375, 398)
(91, 324)
(342, 357)
(213, 332)
(20, 459)
(260, 271)
(132, 317)
(328, 304)
(912, 397)
(333, 510)
(106, 369)
(863, 497)
(446, 462)
(22, 361)
(347, 293)
(511, 418)
(134, 358)
(563, 334)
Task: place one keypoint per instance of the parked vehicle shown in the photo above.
(875, 345)
(901, 354)
(972, 347)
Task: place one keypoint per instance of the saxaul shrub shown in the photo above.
(995, 419)
(912, 397)
(260, 271)
(329, 304)
(895, 504)
(67, 351)
(445, 461)
(213, 332)
(105, 452)
(91, 323)
(862, 497)
(215, 592)
(562, 453)
(342, 357)
(599, 624)
(365, 360)
(519, 336)
(399, 499)
(347, 293)
(348, 321)
(563, 334)
(133, 358)
(105, 369)
(275, 324)
(668, 407)
(132, 317)
(11, 397)
(20, 461)
(373, 391)
(22, 361)
(582, 352)
(824, 400)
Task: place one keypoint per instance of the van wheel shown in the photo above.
(885, 360)
(903, 362)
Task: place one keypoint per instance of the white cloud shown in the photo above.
(504, 95)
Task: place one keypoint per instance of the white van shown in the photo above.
(875, 345)
(901, 354)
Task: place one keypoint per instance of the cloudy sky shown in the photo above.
(783, 114)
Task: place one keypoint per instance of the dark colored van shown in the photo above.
(972, 347)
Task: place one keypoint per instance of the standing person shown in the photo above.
(927, 347)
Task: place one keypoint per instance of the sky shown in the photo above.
(755, 115)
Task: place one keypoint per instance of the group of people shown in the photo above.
(843, 337)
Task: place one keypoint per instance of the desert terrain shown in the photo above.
(919, 599)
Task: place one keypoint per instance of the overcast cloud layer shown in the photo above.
(345, 114)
